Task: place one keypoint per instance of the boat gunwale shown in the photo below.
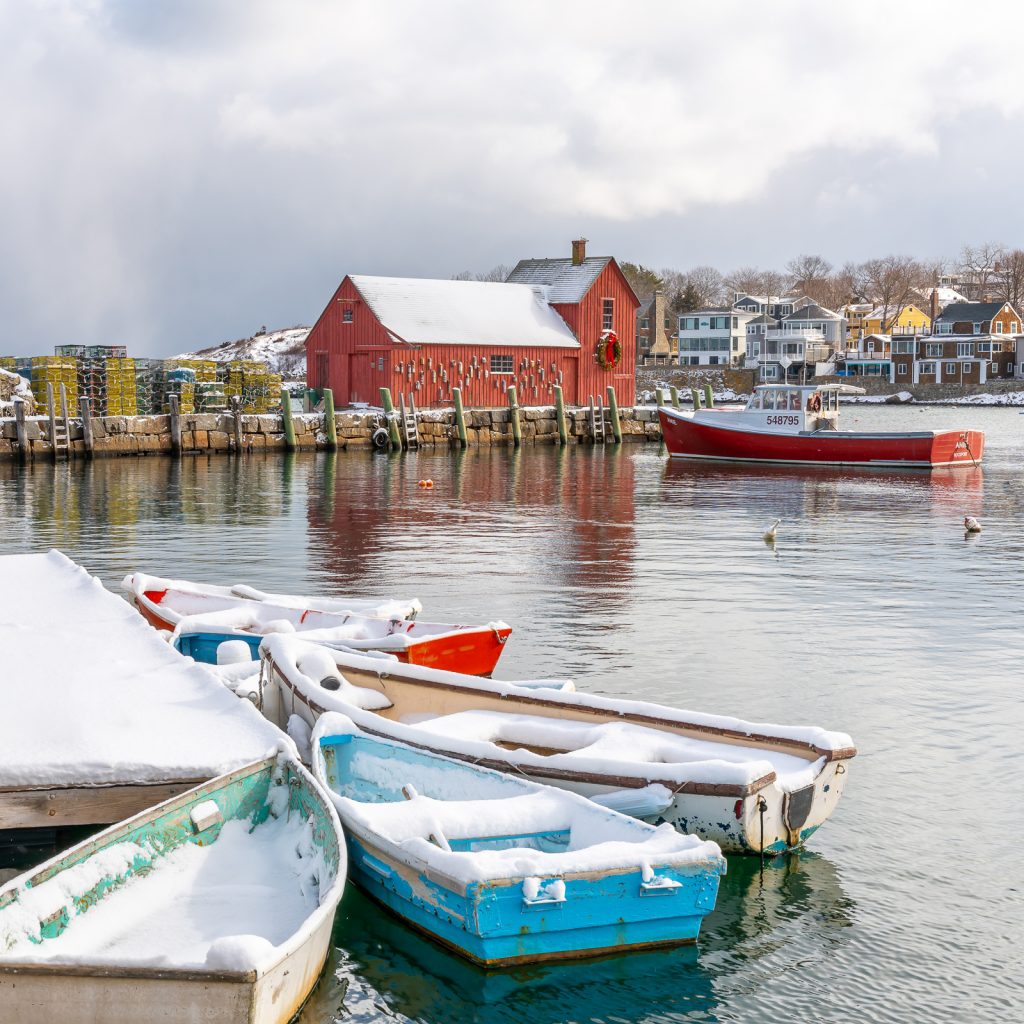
(623, 781)
(829, 753)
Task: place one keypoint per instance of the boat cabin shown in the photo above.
(793, 408)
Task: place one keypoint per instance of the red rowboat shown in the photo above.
(799, 424)
(179, 605)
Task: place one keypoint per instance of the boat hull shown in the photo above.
(470, 650)
(688, 437)
(762, 816)
(41, 991)
(493, 926)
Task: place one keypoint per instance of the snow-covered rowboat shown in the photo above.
(178, 605)
(749, 787)
(799, 423)
(503, 870)
(216, 905)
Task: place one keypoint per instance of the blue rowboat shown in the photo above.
(503, 870)
(216, 905)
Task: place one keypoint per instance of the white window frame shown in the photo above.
(506, 360)
(928, 367)
(964, 349)
(933, 351)
(951, 368)
(998, 327)
(607, 319)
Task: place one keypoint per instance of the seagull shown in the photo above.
(971, 525)
(770, 534)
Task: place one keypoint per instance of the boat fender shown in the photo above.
(380, 438)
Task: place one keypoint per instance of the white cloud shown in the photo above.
(170, 147)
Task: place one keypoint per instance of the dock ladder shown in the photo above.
(597, 431)
(60, 426)
(407, 418)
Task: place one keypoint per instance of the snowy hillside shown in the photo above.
(285, 351)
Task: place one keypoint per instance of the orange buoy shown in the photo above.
(422, 483)
(429, 483)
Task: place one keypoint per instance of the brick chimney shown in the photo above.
(579, 251)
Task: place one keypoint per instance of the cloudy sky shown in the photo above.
(176, 174)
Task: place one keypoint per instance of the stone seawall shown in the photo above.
(206, 433)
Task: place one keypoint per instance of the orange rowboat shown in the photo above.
(224, 613)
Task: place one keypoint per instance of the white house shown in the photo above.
(713, 337)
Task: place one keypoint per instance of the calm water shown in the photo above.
(873, 615)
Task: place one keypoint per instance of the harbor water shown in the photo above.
(873, 614)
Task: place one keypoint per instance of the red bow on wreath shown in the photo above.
(609, 351)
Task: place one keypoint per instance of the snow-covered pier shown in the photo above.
(99, 717)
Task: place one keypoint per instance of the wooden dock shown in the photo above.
(102, 719)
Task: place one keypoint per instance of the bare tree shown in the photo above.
(981, 265)
(754, 281)
(499, 273)
(707, 283)
(892, 281)
(1011, 280)
(808, 274)
(839, 288)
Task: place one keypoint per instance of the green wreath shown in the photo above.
(609, 350)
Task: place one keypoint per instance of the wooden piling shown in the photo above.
(513, 408)
(659, 397)
(236, 416)
(389, 414)
(613, 409)
(674, 392)
(415, 421)
(69, 451)
(22, 430)
(709, 397)
(563, 433)
(695, 395)
(84, 405)
(402, 419)
(330, 424)
(286, 419)
(175, 414)
(460, 418)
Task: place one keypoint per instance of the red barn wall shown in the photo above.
(585, 319)
(356, 358)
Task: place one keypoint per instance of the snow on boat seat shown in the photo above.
(319, 667)
(612, 741)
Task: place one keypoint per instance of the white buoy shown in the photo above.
(233, 652)
(772, 532)
(971, 525)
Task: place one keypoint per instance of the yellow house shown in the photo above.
(910, 320)
(855, 313)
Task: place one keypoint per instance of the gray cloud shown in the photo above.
(177, 174)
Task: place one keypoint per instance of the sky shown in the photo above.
(178, 174)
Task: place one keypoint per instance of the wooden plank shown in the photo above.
(21, 429)
(83, 805)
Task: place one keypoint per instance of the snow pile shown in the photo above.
(283, 351)
(12, 386)
(1009, 398)
(92, 695)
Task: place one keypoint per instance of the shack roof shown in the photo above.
(422, 311)
(566, 281)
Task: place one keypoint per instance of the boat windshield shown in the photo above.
(788, 400)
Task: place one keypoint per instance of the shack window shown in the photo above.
(346, 315)
(607, 314)
(380, 363)
(501, 364)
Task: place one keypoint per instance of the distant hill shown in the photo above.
(284, 350)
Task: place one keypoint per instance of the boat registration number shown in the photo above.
(783, 421)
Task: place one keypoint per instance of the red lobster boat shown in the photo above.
(800, 424)
(180, 606)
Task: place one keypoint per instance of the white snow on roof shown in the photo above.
(92, 695)
(423, 312)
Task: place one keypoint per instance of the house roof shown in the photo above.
(763, 318)
(888, 312)
(775, 300)
(423, 312)
(970, 311)
(813, 312)
(566, 281)
(644, 308)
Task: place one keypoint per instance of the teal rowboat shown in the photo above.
(503, 870)
(216, 905)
